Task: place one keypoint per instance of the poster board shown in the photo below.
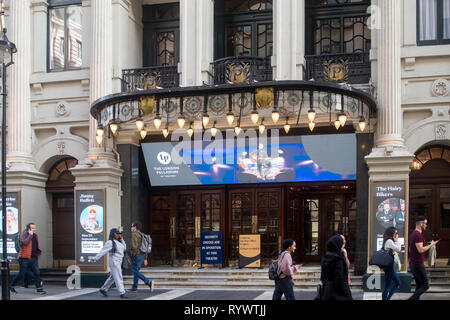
(13, 224)
(388, 208)
(211, 247)
(90, 224)
(249, 251)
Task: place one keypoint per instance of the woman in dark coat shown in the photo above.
(334, 274)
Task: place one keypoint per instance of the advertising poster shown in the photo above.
(90, 226)
(211, 247)
(13, 221)
(291, 159)
(249, 251)
(388, 209)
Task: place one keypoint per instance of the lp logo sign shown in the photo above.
(164, 158)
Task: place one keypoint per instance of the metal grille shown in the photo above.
(146, 78)
(254, 69)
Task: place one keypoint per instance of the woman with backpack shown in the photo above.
(286, 269)
(116, 248)
(334, 271)
(392, 281)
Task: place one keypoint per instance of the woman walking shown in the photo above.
(116, 248)
(392, 281)
(286, 270)
(334, 271)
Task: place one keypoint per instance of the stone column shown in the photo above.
(18, 76)
(197, 41)
(289, 39)
(100, 75)
(389, 160)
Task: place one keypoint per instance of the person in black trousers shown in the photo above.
(334, 272)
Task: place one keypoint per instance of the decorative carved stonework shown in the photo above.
(61, 146)
(62, 110)
(441, 131)
(440, 88)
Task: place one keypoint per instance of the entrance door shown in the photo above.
(63, 229)
(432, 202)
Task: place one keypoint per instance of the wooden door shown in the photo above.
(63, 227)
(185, 225)
(159, 228)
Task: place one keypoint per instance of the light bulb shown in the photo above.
(230, 118)
(190, 132)
(114, 126)
(287, 127)
(254, 116)
(362, 124)
(342, 119)
(157, 122)
(205, 120)
(100, 131)
(275, 116)
(311, 126)
(140, 124)
(143, 134)
(213, 131)
(237, 130)
(99, 139)
(337, 124)
(165, 132)
(311, 115)
(181, 121)
(261, 128)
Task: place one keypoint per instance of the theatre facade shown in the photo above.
(285, 119)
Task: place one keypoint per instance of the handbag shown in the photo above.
(126, 261)
(382, 259)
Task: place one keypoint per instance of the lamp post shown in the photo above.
(7, 49)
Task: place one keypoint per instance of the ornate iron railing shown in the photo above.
(353, 68)
(241, 69)
(149, 78)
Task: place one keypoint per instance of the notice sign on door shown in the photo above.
(249, 251)
(211, 247)
(12, 224)
(90, 225)
(388, 209)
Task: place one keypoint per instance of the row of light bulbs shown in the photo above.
(339, 122)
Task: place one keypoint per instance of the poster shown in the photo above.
(388, 209)
(13, 221)
(211, 247)
(249, 251)
(90, 226)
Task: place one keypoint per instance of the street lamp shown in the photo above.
(7, 49)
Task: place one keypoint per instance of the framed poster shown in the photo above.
(249, 251)
(388, 208)
(90, 224)
(13, 224)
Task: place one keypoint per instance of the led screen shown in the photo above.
(284, 159)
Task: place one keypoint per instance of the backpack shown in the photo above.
(17, 242)
(146, 244)
(273, 268)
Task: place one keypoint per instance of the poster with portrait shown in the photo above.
(90, 226)
(388, 209)
(13, 220)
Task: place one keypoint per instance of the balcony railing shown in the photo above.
(353, 68)
(241, 69)
(149, 78)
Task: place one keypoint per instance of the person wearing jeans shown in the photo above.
(138, 257)
(417, 249)
(392, 281)
(286, 269)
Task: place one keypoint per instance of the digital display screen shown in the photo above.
(284, 159)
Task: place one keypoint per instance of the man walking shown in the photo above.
(417, 251)
(28, 258)
(138, 256)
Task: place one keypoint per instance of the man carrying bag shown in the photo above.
(139, 257)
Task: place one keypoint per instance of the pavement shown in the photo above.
(61, 292)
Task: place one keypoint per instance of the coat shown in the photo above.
(334, 277)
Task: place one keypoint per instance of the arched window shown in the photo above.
(60, 178)
(430, 153)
